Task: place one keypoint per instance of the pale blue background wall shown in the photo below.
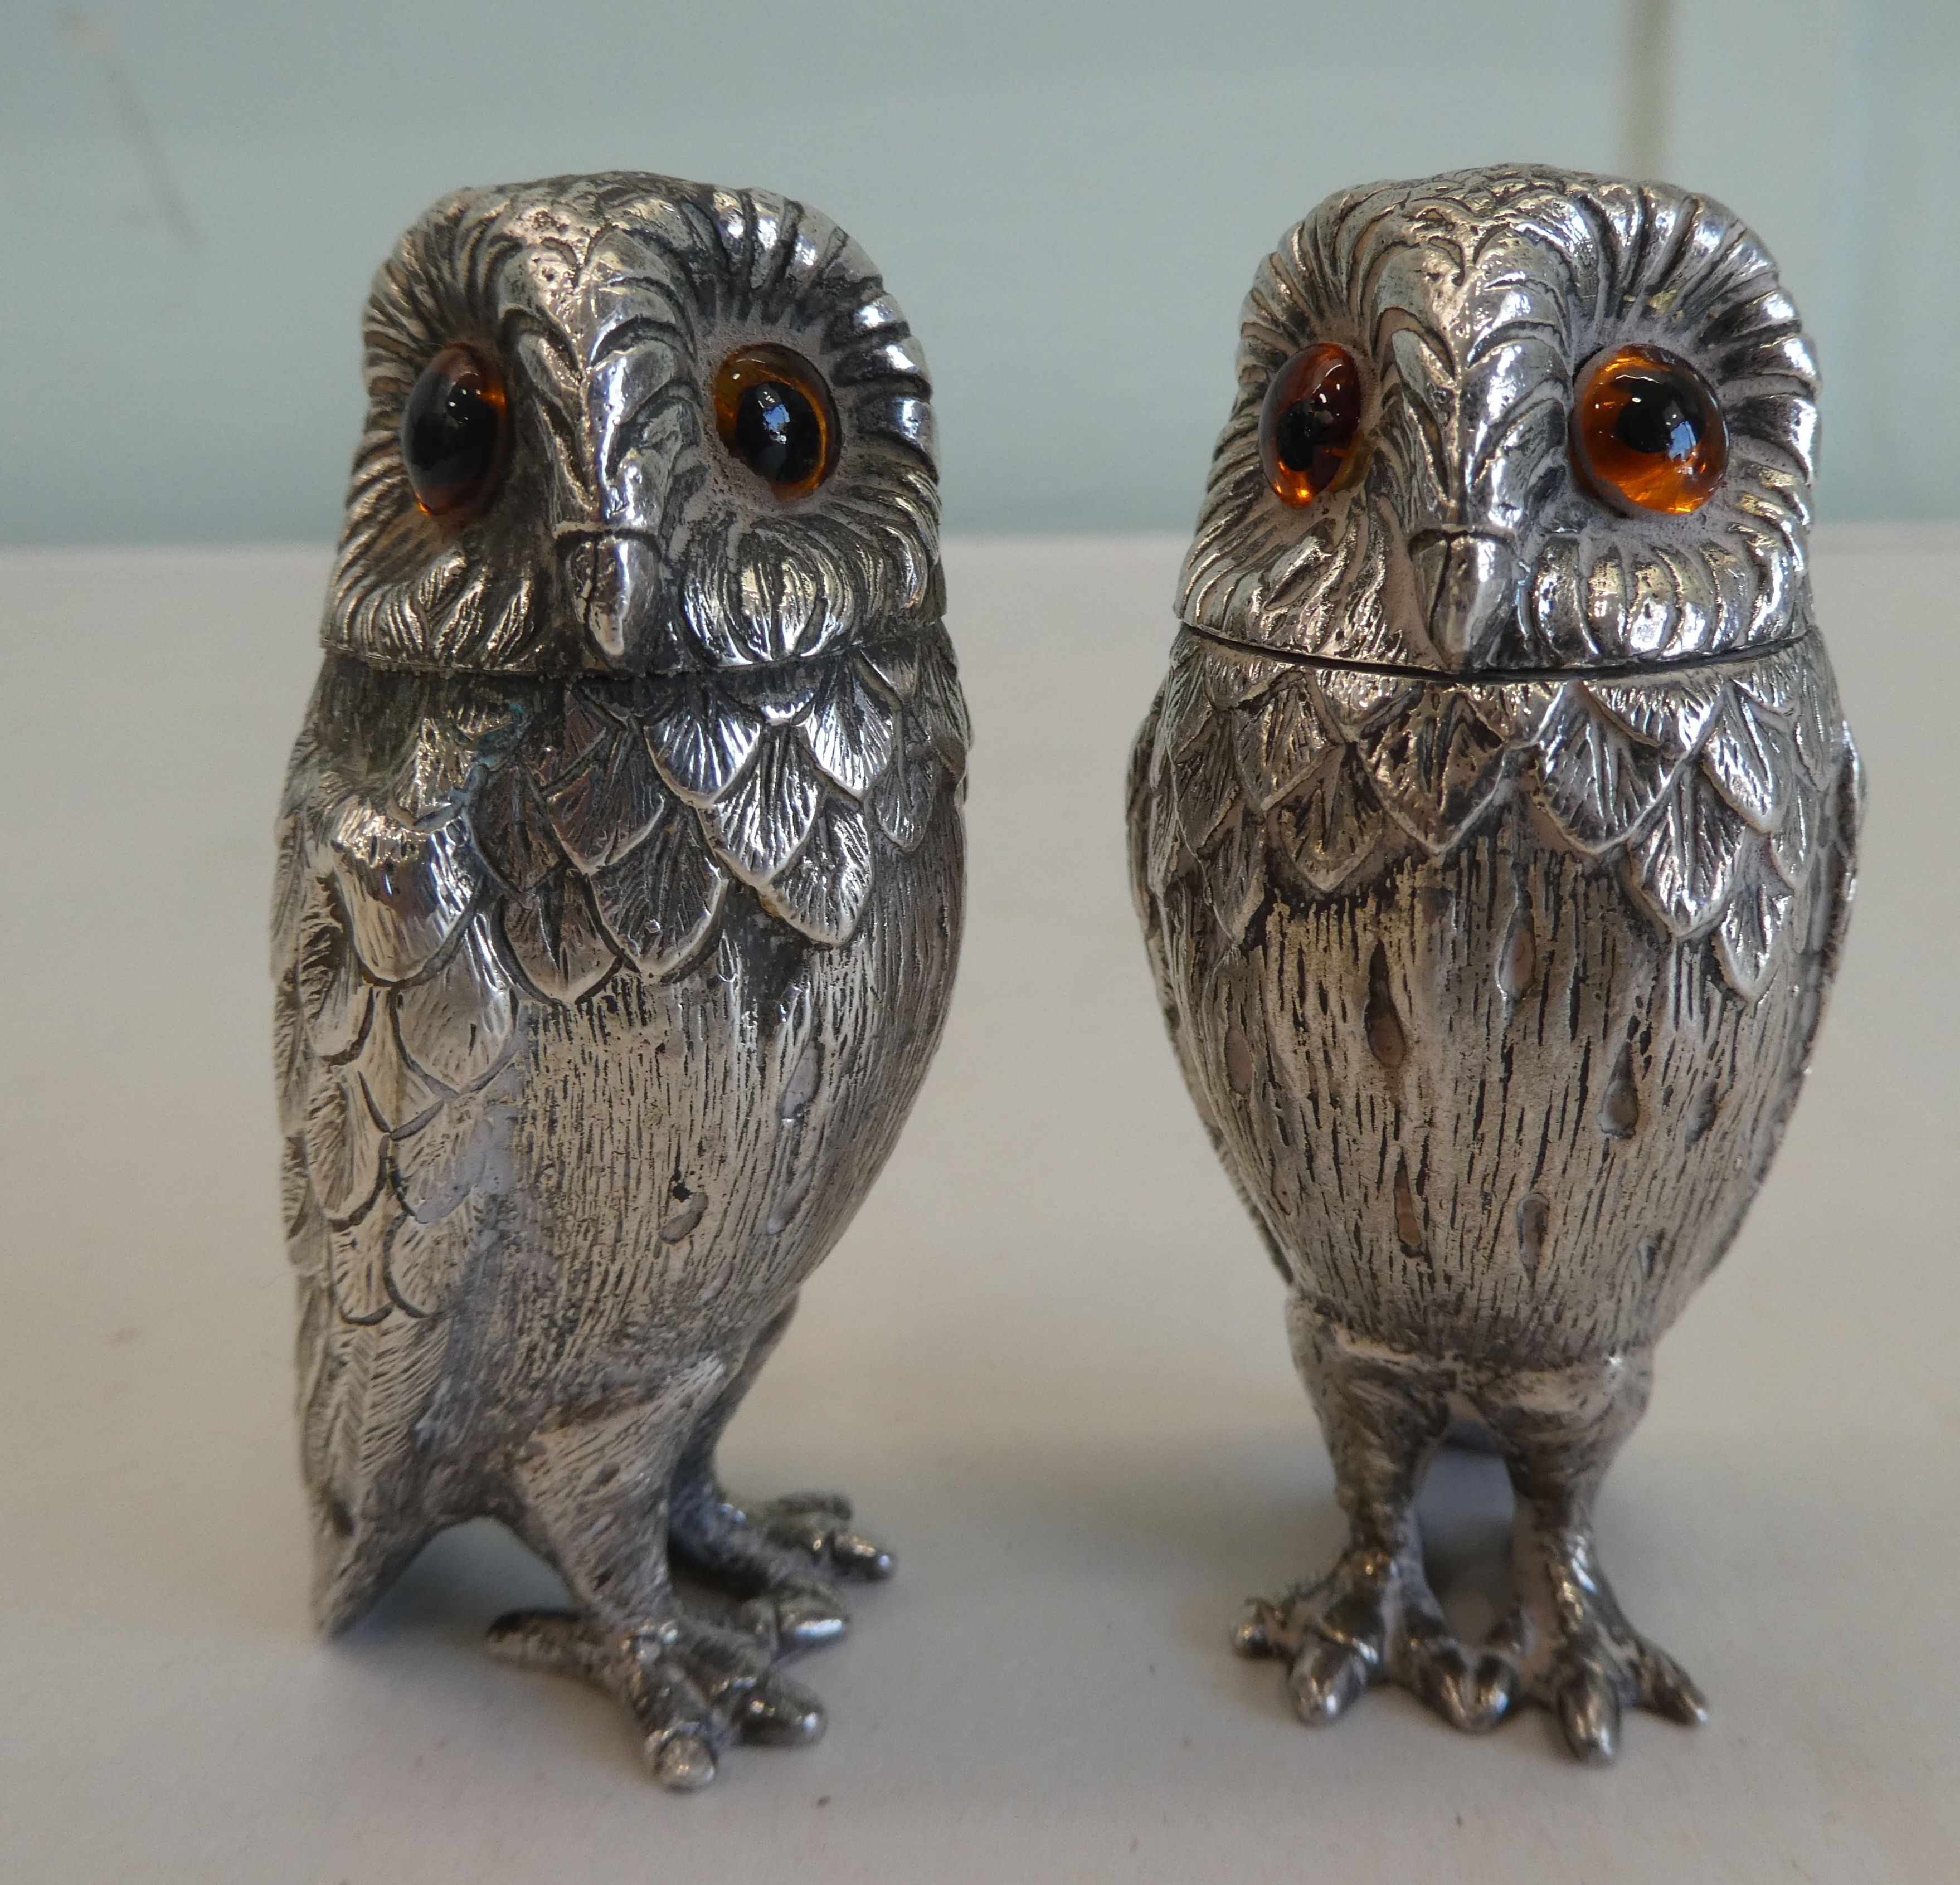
(1068, 200)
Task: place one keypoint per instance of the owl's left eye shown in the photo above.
(456, 432)
(1310, 421)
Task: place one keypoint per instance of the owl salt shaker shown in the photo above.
(1494, 836)
(619, 898)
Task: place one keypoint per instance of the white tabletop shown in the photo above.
(1047, 1361)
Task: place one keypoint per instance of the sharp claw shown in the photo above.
(779, 1714)
(1269, 1626)
(1667, 1689)
(1588, 1711)
(859, 1555)
(1472, 1696)
(800, 1614)
(1325, 1679)
(679, 1759)
(693, 1687)
(1252, 1636)
(822, 1533)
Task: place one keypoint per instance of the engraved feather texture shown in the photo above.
(1494, 844)
(1704, 788)
(461, 858)
(1469, 301)
(611, 299)
(619, 899)
(1549, 870)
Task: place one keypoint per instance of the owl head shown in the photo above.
(1513, 419)
(624, 422)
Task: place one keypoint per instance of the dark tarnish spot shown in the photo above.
(1408, 1224)
(1386, 1040)
(686, 1209)
(1517, 962)
(1533, 1214)
(1620, 1105)
(800, 1089)
(1239, 1067)
(1701, 1115)
(1649, 1253)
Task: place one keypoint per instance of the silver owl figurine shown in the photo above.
(1493, 835)
(619, 897)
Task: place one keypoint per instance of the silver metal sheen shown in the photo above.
(619, 897)
(1494, 851)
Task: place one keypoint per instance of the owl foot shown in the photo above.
(771, 1554)
(693, 1689)
(1372, 1619)
(1577, 1654)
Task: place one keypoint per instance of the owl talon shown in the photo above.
(818, 1524)
(692, 1689)
(1471, 1694)
(1588, 1712)
(1373, 1620)
(1580, 1658)
(779, 1713)
(1667, 1688)
(1326, 1678)
(1261, 1630)
(681, 1762)
(782, 1556)
(800, 1614)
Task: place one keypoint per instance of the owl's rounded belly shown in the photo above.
(1482, 1106)
(685, 1152)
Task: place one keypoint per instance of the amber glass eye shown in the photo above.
(773, 411)
(1310, 421)
(456, 432)
(1646, 431)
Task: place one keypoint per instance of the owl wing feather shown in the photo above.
(396, 1021)
(449, 860)
(1179, 718)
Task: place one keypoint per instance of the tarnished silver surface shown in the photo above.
(619, 898)
(1494, 851)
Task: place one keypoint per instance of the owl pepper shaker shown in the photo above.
(619, 898)
(1492, 834)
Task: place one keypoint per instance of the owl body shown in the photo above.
(1494, 836)
(621, 1184)
(618, 902)
(1480, 1094)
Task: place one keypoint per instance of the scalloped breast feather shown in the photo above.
(497, 858)
(1705, 788)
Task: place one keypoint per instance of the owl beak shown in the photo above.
(613, 581)
(1465, 580)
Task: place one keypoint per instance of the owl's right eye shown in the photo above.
(1647, 432)
(1310, 421)
(773, 411)
(456, 432)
